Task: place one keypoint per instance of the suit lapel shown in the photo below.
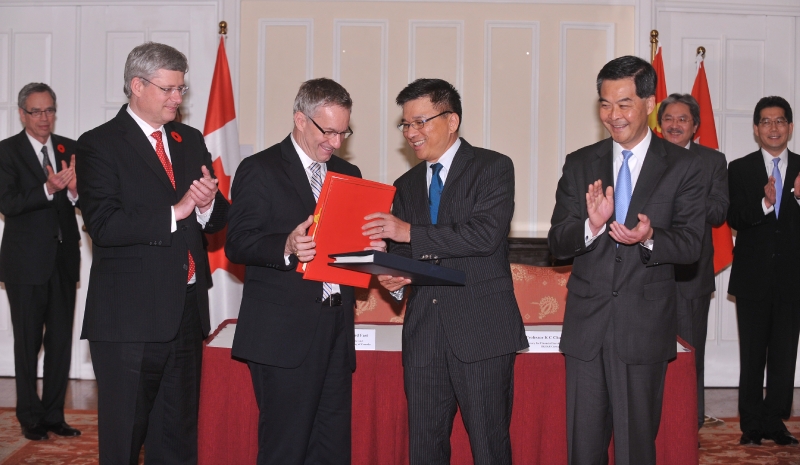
(297, 175)
(653, 168)
(792, 170)
(462, 159)
(418, 186)
(133, 135)
(29, 157)
(178, 157)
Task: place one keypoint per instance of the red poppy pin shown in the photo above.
(176, 136)
(60, 148)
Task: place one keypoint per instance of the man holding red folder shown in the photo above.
(459, 342)
(297, 335)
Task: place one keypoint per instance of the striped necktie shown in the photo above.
(316, 187)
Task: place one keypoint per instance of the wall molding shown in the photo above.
(383, 25)
(261, 84)
(413, 25)
(533, 173)
(562, 76)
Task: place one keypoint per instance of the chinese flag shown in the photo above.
(661, 92)
(707, 135)
(222, 139)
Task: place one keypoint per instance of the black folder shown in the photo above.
(421, 273)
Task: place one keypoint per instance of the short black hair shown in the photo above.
(686, 99)
(770, 102)
(443, 95)
(628, 66)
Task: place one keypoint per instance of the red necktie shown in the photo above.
(162, 155)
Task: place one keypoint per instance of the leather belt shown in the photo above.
(333, 300)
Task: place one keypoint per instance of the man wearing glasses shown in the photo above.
(765, 193)
(297, 336)
(40, 258)
(147, 196)
(459, 343)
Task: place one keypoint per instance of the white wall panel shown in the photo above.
(33, 58)
(436, 49)
(744, 71)
(739, 135)
(117, 46)
(5, 84)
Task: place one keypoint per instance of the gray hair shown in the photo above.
(34, 88)
(315, 93)
(145, 60)
(686, 99)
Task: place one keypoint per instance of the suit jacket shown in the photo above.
(278, 316)
(767, 250)
(30, 237)
(481, 319)
(137, 284)
(697, 280)
(628, 283)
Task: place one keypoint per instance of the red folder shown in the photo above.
(343, 203)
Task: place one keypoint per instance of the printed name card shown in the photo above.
(365, 339)
(543, 341)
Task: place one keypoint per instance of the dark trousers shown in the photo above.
(484, 390)
(768, 334)
(305, 412)
(42, 314)
(693, 328)
(148, 393)
(605, 395)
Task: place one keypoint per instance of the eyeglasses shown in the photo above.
(681, 120)
(331, 134)
(780, 122)
(169, 91)
(419, 124)
(38, 113)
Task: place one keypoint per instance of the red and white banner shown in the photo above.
(222, 139)
(661, 92)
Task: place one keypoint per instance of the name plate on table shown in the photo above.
(543, 341)
(365, 339)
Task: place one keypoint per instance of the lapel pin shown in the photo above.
(176, 136)
(60, 148)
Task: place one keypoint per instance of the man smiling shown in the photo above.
(620, 320)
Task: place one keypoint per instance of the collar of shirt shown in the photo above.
(307, 161)
(148, 130)
(768, 164)
(446, 160)
(37, 147)
(635, 162)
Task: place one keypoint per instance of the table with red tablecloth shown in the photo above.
(228, 423)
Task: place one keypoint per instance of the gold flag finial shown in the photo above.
(701, 51)
(223, 28)
(653, 44)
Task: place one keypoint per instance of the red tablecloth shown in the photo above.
(228, 423)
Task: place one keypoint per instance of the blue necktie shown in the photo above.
(776, 173)
(623, 190)
(435, 192)
(316, 188)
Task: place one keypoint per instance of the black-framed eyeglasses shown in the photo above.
(38, 113)
(419, 124)
(331, 134)
(168, 90)
(779, 122)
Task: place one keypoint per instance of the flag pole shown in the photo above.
(701, 51)
(653, 44)
(223, 28)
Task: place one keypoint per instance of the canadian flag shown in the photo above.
(706, 135)
(222, 139)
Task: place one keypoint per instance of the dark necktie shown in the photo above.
(776, 173)
(316, 188)
(162, 156)
(45, 160)
(435, 192)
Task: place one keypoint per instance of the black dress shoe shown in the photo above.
(35, 432)
(782, 438)
(62, 429)
(750, 438)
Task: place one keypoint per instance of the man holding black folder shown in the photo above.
(459, 342)
(297, 335)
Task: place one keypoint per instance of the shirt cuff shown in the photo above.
(769, 210)
(286, 259)
(588, 238)
(203, 218)
(49, 195)
(72, 199)
(398, 294)
(174, 224)
(648, 244)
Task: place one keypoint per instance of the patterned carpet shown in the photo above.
(720, 444)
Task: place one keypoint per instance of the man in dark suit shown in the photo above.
(147, 197)
(459, 343)
(40, 258)
(679, 117)
(765, 193)
(620, 323)
(296, 335)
